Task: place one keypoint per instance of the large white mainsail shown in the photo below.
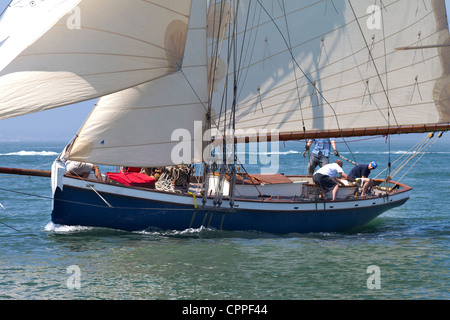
(333, 67)
(157, 123)
(99, 48)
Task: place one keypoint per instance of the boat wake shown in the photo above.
(201, 232)
(190, 232)
(52, 227)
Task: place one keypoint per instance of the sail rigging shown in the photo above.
(340, 67)
(300, 70)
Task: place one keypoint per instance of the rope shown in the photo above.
(430, 144)
(245, 170)
(11, 227)
(98, 194)
(410, 151)
(194, 198)
(420, 148)
(165, 182)
(174, 176)
(348, 160)
(5, 224)
(423, 153)
(90, 204)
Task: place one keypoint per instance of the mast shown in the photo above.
(232, 167)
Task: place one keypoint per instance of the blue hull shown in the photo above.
(75, 206)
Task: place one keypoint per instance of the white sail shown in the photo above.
(25, 21)
(332, 67)
(98, 48)
(157, 123)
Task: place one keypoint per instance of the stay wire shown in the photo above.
(422, 154)
(428, 144)
(418, 149)
(408, 152)
(11, 227)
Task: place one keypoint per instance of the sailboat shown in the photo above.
(183, 85)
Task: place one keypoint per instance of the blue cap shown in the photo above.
(373, 164)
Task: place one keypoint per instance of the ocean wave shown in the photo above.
(286, 152)
(30, 153)
(283, 153)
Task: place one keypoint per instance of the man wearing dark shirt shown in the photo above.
(362, 171)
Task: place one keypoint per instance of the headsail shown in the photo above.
(157, 123)
(99, 48)
(333, 68)
(25, 21)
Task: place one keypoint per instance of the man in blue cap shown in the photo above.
(361, 174)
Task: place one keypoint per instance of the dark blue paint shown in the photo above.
(82, 207)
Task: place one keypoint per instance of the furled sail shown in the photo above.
(157, 123)
(332, 68)
(98, 48)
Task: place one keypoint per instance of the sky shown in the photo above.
(60, 124)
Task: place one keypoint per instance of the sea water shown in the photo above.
(403, 254)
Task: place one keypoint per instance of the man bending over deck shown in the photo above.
(325, 178)
(79, 169)
(83, 169)
(362, 172)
